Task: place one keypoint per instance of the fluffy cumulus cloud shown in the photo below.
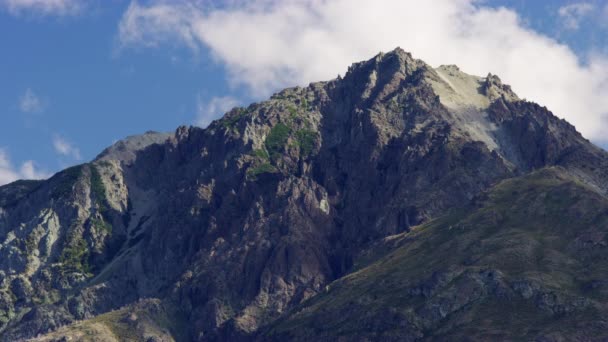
(208, 111)
(65, 148)
(269, 44)
(30, 102)
(43, 7)
(8, 173)
(572, 14)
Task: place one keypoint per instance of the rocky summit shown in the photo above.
(399, 202)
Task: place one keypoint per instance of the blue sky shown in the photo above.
(77, 75)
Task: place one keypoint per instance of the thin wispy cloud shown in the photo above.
(29, 102)
(213, 109)
(161, 22)
(9, 173)
(571, 15)
(44, 7)
(269, 44)
(65, 148)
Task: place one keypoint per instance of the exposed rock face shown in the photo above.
(237, 224)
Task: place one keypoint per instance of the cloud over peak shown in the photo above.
(208, 111)
(266, 45)
(8, 173)
(65, 148)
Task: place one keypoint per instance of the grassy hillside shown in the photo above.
(147, 320)
(528, 260)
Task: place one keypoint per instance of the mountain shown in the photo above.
(400, 202)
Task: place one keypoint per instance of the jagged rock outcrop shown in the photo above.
(233, 226)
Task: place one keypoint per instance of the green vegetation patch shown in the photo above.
(277, 139)
(101, 225)
(230, 121)
(304, 104)
(98, 189)
(261, 153)
(75, 256)
(260, 169)
(306, 140)
(47, 297)
(293, 112)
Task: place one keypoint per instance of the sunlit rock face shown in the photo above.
(229, 232)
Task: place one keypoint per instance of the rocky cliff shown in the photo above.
(376, 205)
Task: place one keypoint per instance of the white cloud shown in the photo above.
(572, 14)
(151, 25)
(44, 7)
(208, 111)
(269, 44)
(9, 174)
(30, 102)
(64, 148)
(28, 170)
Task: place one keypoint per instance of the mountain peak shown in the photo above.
(395, 61)
(125, 149)
(458, 90)
(223, 232)
(494, 89)
(401, 54)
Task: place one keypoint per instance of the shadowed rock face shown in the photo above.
(235, 225)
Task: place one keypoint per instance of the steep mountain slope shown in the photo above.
(233, 226)
(527, 261)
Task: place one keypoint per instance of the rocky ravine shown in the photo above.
(224, 233)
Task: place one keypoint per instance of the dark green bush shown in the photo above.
(293, 112)
(100, 224)
(306, 140)
(304, 104)
(262, 168)
(74, 257)
(230, 120)
(261, 153)
(277, 139)
(98, 189)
